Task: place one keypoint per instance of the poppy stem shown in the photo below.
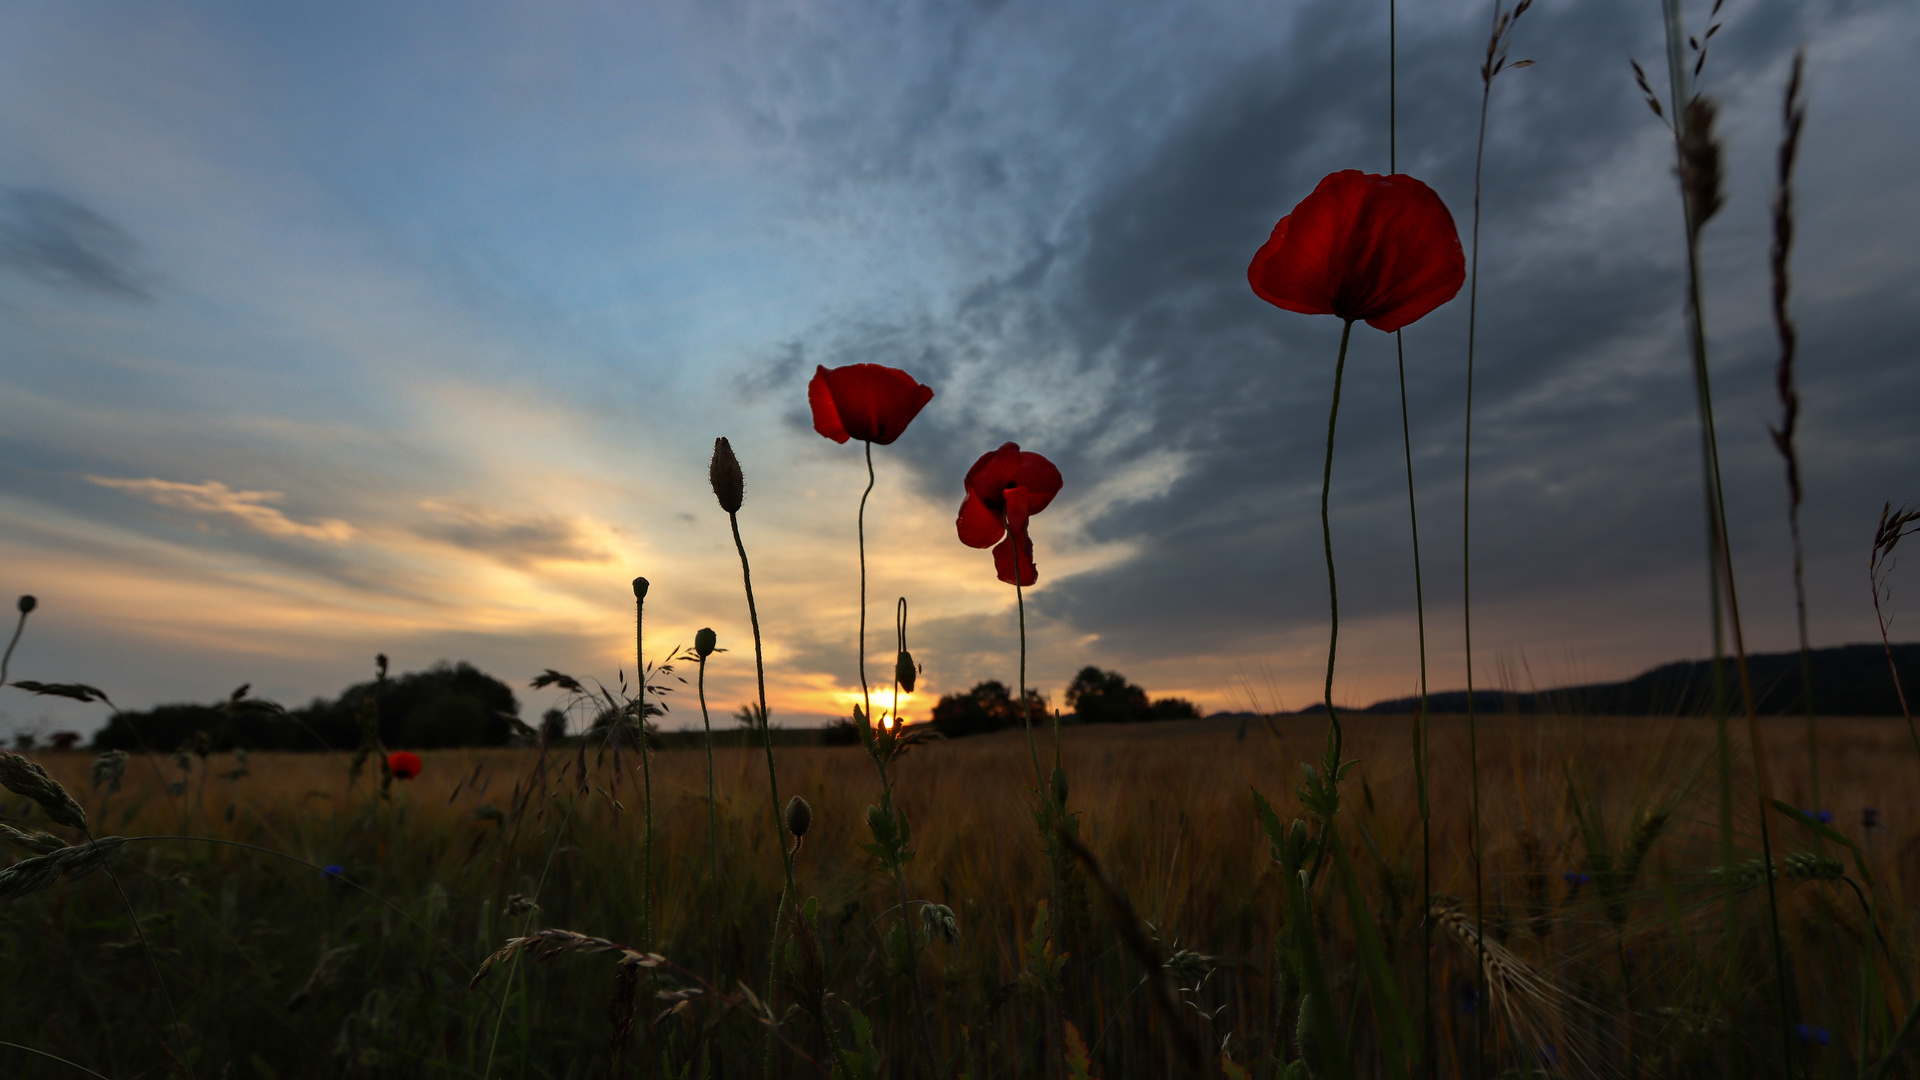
(1026, 714)
(1326, 537)
(773, 788)
(713, 830)
(866, 698)
(646, 773)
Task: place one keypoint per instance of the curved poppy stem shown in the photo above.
(1020, 602)
(1326, 537)
(866, 699)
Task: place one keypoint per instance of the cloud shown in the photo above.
(514, 541)
(51, 238)
(250, 508)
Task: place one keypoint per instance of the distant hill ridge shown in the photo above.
(1848, 680)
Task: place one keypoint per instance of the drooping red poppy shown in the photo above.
(869, 402)
(1382, 249)
(1005, 488)
(403, 764)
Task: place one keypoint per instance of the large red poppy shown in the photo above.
(1382, 249)
(1005, 488)
(869, 402)
(403, 764)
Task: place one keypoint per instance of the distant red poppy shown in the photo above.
(403, 764)
(1005, 488)
(1382, 249)
(869, 402)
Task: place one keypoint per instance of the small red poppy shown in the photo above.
(869, 402)
(403, 764)
(1382, 249)
(1005, 488)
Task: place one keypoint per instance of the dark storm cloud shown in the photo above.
(51, 238)
(1129, 330)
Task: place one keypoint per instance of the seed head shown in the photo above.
(704, 642)
(24, 777)
(799, 817)
(724, 474)
(639, 588)
(26, 604)
(108, 769)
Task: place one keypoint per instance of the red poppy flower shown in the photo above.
(869, 402)
(1377, 248)
(403, 764)
(1005, 488)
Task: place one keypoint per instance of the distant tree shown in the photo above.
(842, 732)
(64, 740)
(989, 706)
(1173, 708)
(445, 705)
(1105, 697)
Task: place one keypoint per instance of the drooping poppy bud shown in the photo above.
(869, 402)
(904, 672)
(639, 588)
(799, 817)
(704, 642)
(729, 486)
(1382, 249)
(27, 603)
(403, 764)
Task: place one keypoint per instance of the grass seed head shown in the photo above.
(1700, 165)
(729, 486)
(108, 769)
(24, 777)
(33, 840)
(41, 871)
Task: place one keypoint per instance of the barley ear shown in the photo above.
(24, 777)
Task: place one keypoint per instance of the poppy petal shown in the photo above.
(1382, 249)
(978, 526)
(1040, 478)
(826, 416)
(875, 403)
(1003, 559)
(991, 474)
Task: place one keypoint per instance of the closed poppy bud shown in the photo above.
(881, 824)
(724, 474)
(639, 588)
(27, 603)
(903, 670)
(799, 817)
(1060, 787)
(704, 642)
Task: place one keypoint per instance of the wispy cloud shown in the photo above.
(254, 509)
(50, 237)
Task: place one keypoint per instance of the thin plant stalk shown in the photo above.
(1419, 597)
(866, 702)
(1894, 525)
(646, 769)
(713, 829)
(1698, 160)
(1026, 714)
(1326, 536)
(773, 789)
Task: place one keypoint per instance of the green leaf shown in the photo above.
(1396, 1028)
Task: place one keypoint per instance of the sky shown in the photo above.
(335, 330)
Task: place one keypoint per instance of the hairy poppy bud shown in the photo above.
(704, 642)
(903, 670)
(1060, 787)
(799, 817)
(639, 588)
(724, 474)
(27, 603)
(880, 822)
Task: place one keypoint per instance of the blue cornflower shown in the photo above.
(1810, 1035)
(334, 871)
(1824, 817)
